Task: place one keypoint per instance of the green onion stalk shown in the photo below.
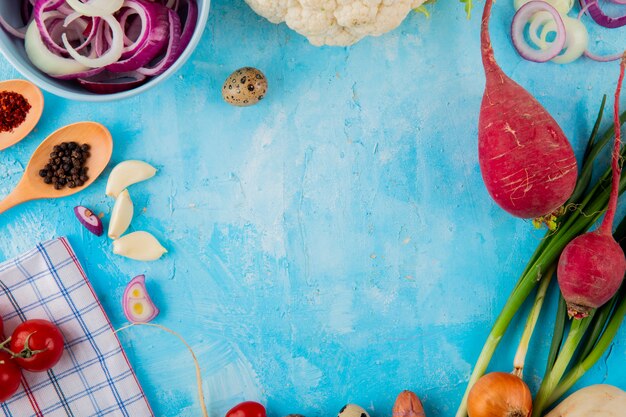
(583, 210)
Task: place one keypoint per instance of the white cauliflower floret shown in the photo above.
(336, 22)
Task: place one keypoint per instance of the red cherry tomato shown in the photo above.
(247, 409)
(10, 377)
(39, 344)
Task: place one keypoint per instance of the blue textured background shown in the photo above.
(333, 244)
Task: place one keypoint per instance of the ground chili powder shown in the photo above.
(13, 110)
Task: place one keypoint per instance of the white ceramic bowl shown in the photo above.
(13, 50)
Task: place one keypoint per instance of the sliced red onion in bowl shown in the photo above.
(110, 83)
(518, 26)
(107, 46)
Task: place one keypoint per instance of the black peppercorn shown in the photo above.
(66, 166)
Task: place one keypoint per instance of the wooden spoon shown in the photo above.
(32, 187)
(35, 99)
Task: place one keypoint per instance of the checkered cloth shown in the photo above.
(94, 377)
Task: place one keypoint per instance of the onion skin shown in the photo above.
(408, 405)
(499, 394)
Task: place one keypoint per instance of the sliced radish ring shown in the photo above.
(521, 20)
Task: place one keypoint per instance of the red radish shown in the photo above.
(592, 266)
(527, 163)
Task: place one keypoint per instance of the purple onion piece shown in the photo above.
(136, 295)
(110, 83)
(601, 18)
(88, 219)
(172, 52)
(157, 27)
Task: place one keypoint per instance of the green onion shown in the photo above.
(584, 209)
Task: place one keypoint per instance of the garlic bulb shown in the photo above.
(121, 216)
(128, 173)
(499, 394)
(141, 246)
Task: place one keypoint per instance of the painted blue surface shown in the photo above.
(333, 244)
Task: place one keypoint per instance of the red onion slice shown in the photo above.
(17, 32)
(46, 61)
(596, 13)
(110, 83)
(96, 8)
(521, 19)
(88, 219)
(173, 48)
(112, 55)
(603, 58)
(157, 29)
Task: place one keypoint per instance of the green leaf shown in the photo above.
(468, 7)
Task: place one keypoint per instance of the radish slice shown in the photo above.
(520, 21)
(138, 306)
(140, 246)
(126, 174)
(88, 219)
(45, 60)
(112, 55)
(96, 8)
(121, 216)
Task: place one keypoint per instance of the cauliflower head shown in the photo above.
(336, 22)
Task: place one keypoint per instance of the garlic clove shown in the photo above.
(128, 173)
(121, 215)
(140, 246)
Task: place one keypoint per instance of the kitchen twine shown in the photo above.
(193, 355)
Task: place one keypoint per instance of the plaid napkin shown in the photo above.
(94, 377)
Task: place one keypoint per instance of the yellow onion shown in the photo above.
(408, 405)
(499, 394)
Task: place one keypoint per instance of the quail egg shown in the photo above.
(244, 87)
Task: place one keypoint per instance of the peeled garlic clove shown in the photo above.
(121, 216)
(128, 173)
(141, 246)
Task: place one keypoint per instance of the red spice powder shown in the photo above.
(13, 110)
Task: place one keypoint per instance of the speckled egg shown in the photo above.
(245, 87)
(352, 410)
